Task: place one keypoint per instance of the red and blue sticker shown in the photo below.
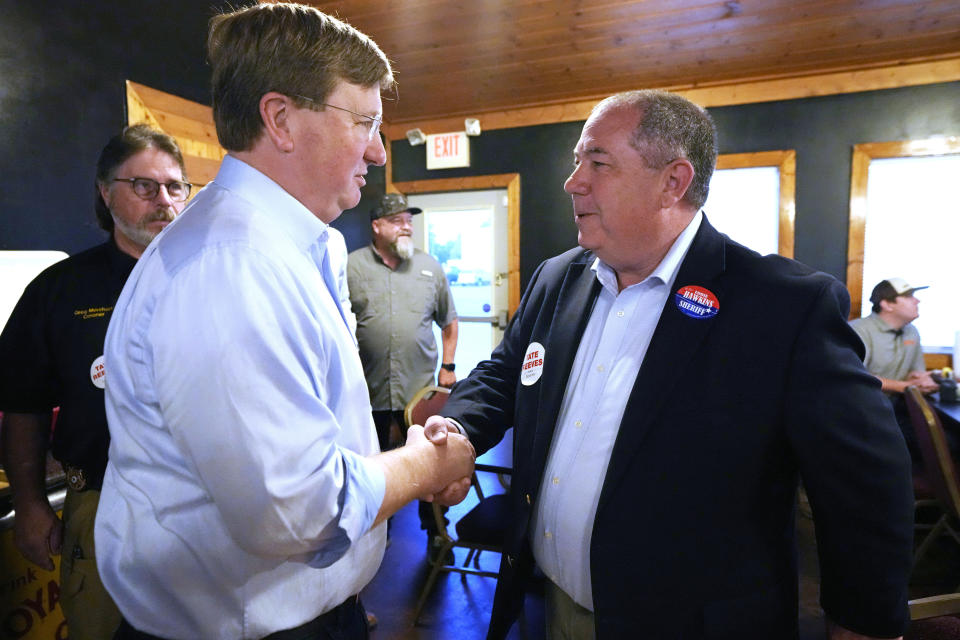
(696, 302)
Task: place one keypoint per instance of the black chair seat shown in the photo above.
(485, 524)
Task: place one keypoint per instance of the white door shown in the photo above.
(466, 231)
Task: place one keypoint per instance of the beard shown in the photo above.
(139, 233)
(403, 247)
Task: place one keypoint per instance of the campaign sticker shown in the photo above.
(98, 375)
(696, 302)
(532, 367)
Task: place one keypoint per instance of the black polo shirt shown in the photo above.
(51, 352)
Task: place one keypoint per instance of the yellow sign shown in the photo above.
(29, 597)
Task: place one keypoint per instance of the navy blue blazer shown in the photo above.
(694, 531)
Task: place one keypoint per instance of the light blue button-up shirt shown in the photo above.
(601, 379)
(238, 499)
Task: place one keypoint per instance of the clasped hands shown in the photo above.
(923, 381)
(455, 458)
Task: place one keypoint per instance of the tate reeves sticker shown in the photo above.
(696, 302)
(532, 367)
(98, 375)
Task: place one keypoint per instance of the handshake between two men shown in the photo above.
(435, 465)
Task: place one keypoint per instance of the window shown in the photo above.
(905, 222)
(752, 200)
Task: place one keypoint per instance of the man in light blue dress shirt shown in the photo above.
(246, 496)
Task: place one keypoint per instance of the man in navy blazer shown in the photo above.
(668, 389)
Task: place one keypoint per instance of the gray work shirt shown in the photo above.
(395, 314)
(888, 354)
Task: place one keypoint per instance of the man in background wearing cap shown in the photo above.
(893, 352)
(397, 292)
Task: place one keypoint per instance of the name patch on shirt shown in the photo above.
(92, 312)
(532, 367)
(425, 272)
(696, 302)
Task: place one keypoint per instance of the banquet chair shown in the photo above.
(939, 468)
(482, 528)
(934, 618)
(425, 403)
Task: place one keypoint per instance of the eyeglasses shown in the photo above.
(148, 188)
(371, 123)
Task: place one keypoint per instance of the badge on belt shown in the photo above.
(76, 478)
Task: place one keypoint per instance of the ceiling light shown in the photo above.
(415, 137)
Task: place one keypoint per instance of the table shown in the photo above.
(949, 412)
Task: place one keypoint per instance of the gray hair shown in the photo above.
(671, 127)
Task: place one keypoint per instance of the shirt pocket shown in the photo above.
(421, 298)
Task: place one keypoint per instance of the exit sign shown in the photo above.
(447, 150)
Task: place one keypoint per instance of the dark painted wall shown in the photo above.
(62, 96)
(821, 130)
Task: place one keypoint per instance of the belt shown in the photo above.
(80, 480)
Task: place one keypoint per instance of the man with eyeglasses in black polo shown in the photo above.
(52, 350)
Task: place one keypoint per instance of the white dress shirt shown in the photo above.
(602, 376)
(238, 499)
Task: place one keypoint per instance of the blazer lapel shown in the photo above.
(569, 320)
(675, 341)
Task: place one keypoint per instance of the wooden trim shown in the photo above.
(937, 361)
(190, 123)
(863, 154)
(475, 183)
(761, 90)
(786, 163)
(137, 110)
(856, 228)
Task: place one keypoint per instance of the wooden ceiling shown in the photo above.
(467, 57)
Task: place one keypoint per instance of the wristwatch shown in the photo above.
(449, 366)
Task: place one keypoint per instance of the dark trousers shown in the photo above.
(383, 421)
(348, 621)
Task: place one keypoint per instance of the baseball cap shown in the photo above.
(891, 288)
(392, 203)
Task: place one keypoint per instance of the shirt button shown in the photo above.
(556, 480)
(578, 424)
(547, 535)
(619, 314)
(600, 368)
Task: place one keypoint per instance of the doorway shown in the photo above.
(471, 226)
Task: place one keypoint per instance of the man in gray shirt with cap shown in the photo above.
(397, 292)
(893, 351)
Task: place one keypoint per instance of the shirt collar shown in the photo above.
(883, 326)
(118, 259)
(666, 271)
(286, 212)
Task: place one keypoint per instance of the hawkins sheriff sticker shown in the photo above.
(696, 302)
(532, 367)
(98, 375)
